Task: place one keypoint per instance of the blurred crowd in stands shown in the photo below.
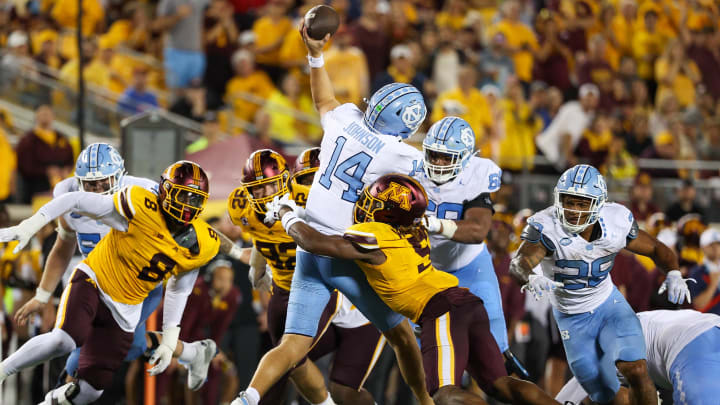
(545, 85)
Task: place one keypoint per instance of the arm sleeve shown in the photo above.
(176, 295)
(481, 201)
(633, 232)
(98, 206)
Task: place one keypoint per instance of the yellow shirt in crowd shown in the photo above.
(257, 84)
(477, 112)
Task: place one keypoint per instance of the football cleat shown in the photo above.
(199, 366)
(243, 399)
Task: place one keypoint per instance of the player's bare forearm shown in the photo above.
(645, 244)
(528, 256)
(326, 245)
(321, 87)
(226, 244)
(57, 262)
(474, 227)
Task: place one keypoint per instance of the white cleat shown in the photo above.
(198, 368)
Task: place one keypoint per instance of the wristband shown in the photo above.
(448, 228)
(42, 295)
(316, 62)
(289, 219)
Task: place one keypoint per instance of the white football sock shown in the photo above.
(38, 350)
(253, 395)
(189, 351)
(327, 401)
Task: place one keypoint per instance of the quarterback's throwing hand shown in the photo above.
(676, 287)
(538, 283)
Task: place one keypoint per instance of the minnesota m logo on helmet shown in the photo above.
(397, 193)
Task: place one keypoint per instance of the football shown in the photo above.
(321, 20)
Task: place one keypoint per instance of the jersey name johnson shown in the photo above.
(129, 265)
(407, 280)
(271, 241)
(351, 156)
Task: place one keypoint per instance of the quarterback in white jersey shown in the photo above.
(356, 149)
(575, 242)
(459, 215)
(683, 356)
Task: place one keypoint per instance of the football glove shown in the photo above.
(23, 232)
(676, 287)
(538, 283)
(273, 208)
(164, 353)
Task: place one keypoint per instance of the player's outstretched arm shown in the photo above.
(528, 256)
(320, 85)
(98, 206)
(646, 245)
(228, 247)
(57, 262)
(325, 245)
(176, 295)
(473, 228)
(667, 261)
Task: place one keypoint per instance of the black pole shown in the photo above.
(81, 79)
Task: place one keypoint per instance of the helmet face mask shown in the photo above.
(259, 198)
(579, 195)
(447, 148)
(184, 190)
(183, 203)
(99, 169)
(265, 168)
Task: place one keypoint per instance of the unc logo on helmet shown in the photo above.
(579, 195)
(447, 149)
(413, 115)
(396, 109)
(99, 169)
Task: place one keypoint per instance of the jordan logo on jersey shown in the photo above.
(397, 193)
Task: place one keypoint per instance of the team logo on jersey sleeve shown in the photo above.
(565, 241)
(413, 115)
(397, 193)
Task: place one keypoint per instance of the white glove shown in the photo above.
(432, 224)
(264, 283)
(273, 208)
(23, 232)
(538, 283)
(435, 225)
(164, 353)
(676, 287)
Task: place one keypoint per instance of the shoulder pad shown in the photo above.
(534, 235)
